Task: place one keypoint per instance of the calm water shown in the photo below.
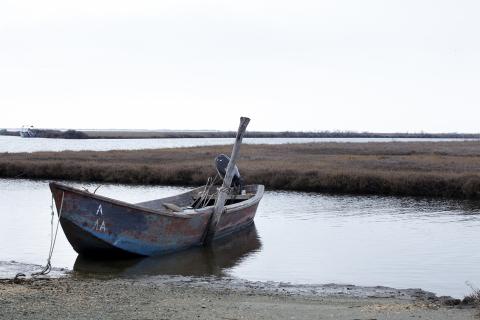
(18, 144)
(302, 238)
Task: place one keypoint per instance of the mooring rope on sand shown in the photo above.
(53, 239)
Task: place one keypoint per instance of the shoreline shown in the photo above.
(87, 297)
(425, 169)
(173, 134)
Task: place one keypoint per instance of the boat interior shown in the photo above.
(198, 199)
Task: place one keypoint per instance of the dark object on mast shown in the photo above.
(221, 163)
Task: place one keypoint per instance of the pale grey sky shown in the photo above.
(289, 65)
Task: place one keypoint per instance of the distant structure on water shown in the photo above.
(27, 132)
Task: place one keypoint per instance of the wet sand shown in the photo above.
(75, 297)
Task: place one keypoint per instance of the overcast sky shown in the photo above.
(367, 65)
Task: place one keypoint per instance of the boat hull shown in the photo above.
(100, 226)
(213, 260)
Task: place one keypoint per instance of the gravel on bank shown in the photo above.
(74, 297)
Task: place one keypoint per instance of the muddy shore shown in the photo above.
(77, 297)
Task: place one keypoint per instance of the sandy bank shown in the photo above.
(207, 298)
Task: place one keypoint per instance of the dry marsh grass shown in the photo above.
(149, 134)
(434, 169)
(473, 298)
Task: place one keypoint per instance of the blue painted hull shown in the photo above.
(223, 254)
(99, 226)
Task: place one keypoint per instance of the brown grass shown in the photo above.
(436, 169)
(472, 298)
(150, 134)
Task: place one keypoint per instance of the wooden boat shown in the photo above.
(99, 226)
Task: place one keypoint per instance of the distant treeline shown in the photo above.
(429, 169)
(119, 134)
(5, 132)
(47, 133)
(270, 134)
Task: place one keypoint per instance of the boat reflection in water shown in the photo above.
(223, 254)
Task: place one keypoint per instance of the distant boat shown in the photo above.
(27, 132)
(105, 227)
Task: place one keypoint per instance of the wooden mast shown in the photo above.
(227, 182)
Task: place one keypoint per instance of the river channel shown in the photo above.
(300, 238)
(18, 144)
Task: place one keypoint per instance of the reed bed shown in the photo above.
(132, 134)
(432, 169)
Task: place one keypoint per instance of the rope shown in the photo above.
(225, 189)
(95, 191)
(53, 239)
(18, 277)
(208, 197)
(205, 197)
